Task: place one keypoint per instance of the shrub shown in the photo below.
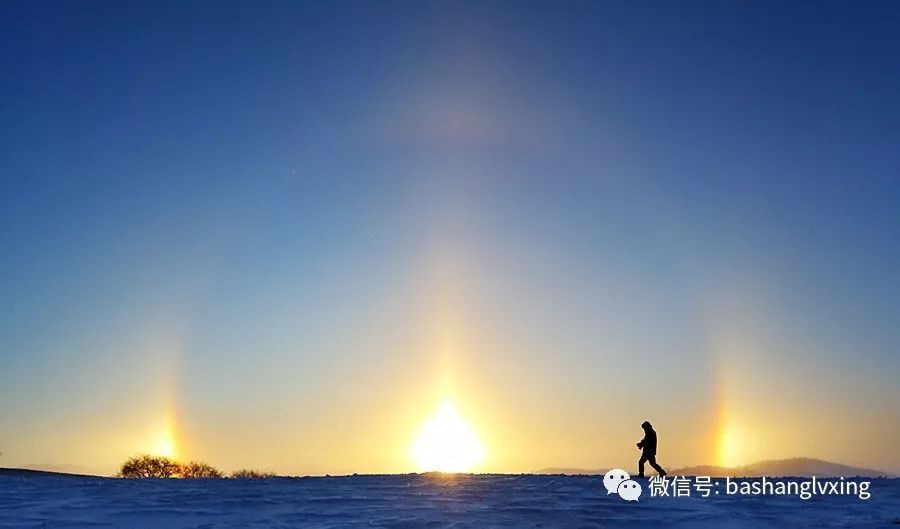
(199, 469)
(252, 474)
(147, 466)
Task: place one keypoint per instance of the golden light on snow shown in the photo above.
(447, 443)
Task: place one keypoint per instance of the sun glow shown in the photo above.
(729, 446)
(164, 447)
(447, 443)
(164, 444)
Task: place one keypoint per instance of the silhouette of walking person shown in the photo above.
(648, 450)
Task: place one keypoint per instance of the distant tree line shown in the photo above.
(147, 466)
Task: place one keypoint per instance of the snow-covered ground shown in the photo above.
(409, 501)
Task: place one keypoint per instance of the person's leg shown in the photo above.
(641, 465)
(653, 464)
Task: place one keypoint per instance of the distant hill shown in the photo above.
(795, 466)
(32, 472)
(61, 468)
(571, 471)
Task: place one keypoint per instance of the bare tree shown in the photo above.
(247, 473)
(199, 469)
(147, 466)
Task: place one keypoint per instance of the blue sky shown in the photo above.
(269, 214)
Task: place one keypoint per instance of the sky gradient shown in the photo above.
(282, 234)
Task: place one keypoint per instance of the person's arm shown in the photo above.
(641, 442)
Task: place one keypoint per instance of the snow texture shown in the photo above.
(410, 501)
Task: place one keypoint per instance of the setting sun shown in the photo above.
(447, 443)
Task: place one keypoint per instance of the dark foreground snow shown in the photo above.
(409, 501)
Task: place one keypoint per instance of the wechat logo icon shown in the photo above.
(618, 481)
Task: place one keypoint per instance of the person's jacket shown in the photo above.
(648, 443)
